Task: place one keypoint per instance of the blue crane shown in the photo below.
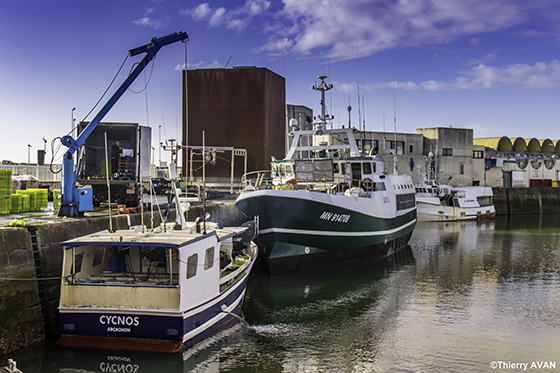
(76, 200)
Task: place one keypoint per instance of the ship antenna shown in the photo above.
(395, 119)
(358, 88)
(330, 93)
(322, 87)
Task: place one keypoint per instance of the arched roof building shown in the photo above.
(519, 147)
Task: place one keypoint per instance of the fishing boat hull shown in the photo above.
(148, 330)
(436, 212)
(304, 230)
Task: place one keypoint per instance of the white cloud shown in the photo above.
(201, 11)
(340, 27)
(150, 22)
(200, 65)
(477, 61)
(236, 19)
(539, 75)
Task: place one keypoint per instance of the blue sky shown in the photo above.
(492, 66)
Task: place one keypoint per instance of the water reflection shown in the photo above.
(461, 296)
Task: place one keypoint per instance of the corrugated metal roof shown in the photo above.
(519, 144)
(498, 143)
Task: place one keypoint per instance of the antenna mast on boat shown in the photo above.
(395, 120)
(322, 87)
(358, 88)
(330, 94)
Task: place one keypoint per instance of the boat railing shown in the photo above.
(257, 180)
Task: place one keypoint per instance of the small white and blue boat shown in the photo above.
(155, 291)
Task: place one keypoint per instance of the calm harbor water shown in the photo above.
(465, 297)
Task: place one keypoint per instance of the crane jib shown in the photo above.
(70, 202)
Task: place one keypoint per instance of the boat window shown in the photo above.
(209, 258)
(336, 168)
(78, 259)
(281, 170)
(405, 201)
(289, 170)
(192, 263)
(366, 168)
(484, 200)
(98, 255)
(374, 167)
(356, 174)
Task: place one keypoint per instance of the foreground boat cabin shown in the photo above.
(154, 291)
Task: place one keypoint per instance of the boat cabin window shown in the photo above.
(336, 169)
(98, 256)
(356, 174)
(78, 260)
(209, 258)
(289, 170)
(405, 201)
(366, 168)
(192, 263)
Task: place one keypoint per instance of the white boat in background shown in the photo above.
(440, 202)
(327, 203)
(153, 290)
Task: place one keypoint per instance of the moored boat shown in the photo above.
(327, 202)
(157, 290)
(441, 202)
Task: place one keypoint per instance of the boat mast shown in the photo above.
(322, 87)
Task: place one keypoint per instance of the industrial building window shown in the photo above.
(478, 154)
(411, 149)
(391, 145)
(462, 168)
(192, 262)
(447, 152)
(209, 258)
(364, 144)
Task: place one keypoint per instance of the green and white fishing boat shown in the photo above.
(327, 202)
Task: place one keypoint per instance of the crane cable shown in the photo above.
(104, 93)
(55, 151)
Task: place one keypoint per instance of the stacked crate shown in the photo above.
(17, 203)
(42, 198)
(105, 162)
(25, 202)
(5, 191)
(32, 196)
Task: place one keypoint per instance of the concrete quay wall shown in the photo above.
(521, 201)
(31, 265)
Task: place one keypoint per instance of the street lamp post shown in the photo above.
(72, 122)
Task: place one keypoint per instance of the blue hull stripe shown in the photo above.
(115, 323)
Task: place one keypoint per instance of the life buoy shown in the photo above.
(292, 181)
(367, 183)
